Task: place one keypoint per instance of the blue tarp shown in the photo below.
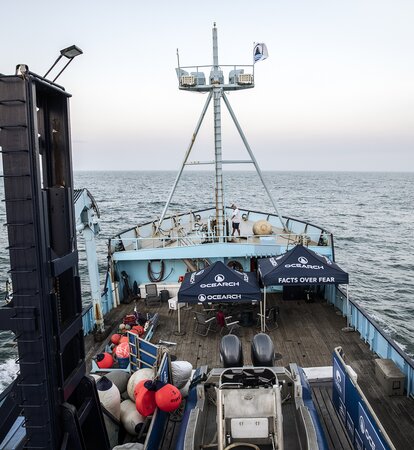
(300, 266)
(219, 283)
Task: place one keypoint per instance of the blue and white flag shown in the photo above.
(260, 52)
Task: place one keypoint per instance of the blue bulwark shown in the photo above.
(353, 409)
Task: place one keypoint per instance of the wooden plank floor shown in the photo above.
(335, 432)
(307, 334)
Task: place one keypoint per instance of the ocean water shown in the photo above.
(370, 214)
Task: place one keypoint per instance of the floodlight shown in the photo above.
(68, 52)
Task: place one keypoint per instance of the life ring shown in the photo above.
(235, 265)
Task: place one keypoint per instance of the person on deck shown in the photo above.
(235, 219)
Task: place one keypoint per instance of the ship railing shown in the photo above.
(373, 334)
(285, 240)
(88, 321)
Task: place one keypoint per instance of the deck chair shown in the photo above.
(230, 326)
(204, 324)
(152, 298)
(270, 319)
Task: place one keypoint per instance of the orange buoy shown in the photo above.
(104, 360)
(122, 350)
(138, 386)
(139, 328)
(115, 338)
(123, 339)
(144, 399)
(168, 398)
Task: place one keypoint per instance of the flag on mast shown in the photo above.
(260, 52)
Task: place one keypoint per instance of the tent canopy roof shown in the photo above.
(301, 266)
(219, 283)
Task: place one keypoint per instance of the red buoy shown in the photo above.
(123, 339)
(168, 398)
(104, 360)
(115, 338)
(139, 328)
(144, 399)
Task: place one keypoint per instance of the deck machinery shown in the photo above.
(59, 403)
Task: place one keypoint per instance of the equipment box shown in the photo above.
(389, 376)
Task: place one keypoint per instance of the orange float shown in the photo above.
(122, 350)
(115, 338)
(168, 398)
(139, 329)
(104, 360)
(123, 339)
(144, 399)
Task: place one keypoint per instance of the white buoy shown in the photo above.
(109, 396)
(140, 374)
(120, 379)
(262, 227)
(131, 419)
(181, 373)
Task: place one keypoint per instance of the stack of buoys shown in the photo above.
(104, 360)
(131, 419)
(151, 394)
(109, 396)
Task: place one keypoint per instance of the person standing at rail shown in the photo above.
(235, 219)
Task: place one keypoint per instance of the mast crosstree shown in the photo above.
(191, 78)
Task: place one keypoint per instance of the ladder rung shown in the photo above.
(34, 385)
(24, 405)
(20, 294)
(27, 363)
(22, 270)
(12, 101)
(12, 127)
(28, 247)
(15, 175)
(17, 224)
(22, 150)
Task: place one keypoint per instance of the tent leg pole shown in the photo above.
(179, 332)
(261, 314)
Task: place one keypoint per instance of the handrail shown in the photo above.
(291, 239)
(194, 213)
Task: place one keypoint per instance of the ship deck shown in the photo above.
(322, 328)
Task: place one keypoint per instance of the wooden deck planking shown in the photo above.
(334, 430)
(307, 333)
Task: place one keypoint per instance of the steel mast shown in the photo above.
(215, 79)
(216, 87)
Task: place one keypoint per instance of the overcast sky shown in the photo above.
(336, 93)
